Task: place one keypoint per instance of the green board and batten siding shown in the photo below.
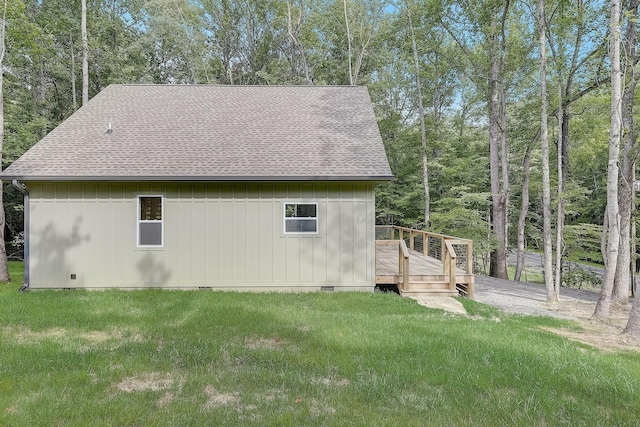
(218, 235)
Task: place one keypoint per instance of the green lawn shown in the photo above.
(155, 358)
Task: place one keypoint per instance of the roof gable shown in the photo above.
(207, 132)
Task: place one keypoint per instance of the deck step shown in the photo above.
(429, 292)
(397, 278)
(435, 285)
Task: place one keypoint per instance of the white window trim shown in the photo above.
(299, 233)
(138, 221)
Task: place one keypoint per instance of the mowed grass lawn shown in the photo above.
(173, 358)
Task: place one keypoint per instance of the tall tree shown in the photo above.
(175, 44)
(499, 166)
(552, 289)
(350, 27)
(294, 22)
(85, 55)
(488, 23)
(4, 270)
(423, 130)
(74, 95)
(524, 209)
(622, 284)
(603, 305)
(352, 78)
(571, 32)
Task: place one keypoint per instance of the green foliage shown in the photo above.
(582, 242)
(577, 276)
(588, 163)
(466, 214)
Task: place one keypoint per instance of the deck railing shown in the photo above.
(452, 252)
(403, 257)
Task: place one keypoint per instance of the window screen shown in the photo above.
(300, 218)
(150, 208)
(150, 221)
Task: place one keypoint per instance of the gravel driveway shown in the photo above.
(574, 304)
(524, 298)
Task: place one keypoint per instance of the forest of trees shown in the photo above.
(497, 116)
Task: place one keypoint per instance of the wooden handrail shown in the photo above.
(450, 266)
(404, 251)
(450, 249)
(402, 230)
(403, 255)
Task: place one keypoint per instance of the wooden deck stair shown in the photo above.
(433, 270)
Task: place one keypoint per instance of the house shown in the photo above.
(204, 186)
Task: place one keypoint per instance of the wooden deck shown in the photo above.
(440, 275)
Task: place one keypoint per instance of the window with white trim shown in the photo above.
(301, 218)
(150, 227)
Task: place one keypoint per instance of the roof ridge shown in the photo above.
(235, 86)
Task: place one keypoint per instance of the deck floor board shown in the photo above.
(387, 262)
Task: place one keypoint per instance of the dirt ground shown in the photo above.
(575, 304)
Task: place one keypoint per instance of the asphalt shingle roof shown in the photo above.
(206, 132)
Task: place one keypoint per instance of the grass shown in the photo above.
(120, 358)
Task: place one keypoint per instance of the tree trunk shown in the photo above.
(622, 283)
(524, 209)
(565, 98)
(295, 41)
(423, 129)
(504, 159)
(603, 305)
(74, 96)
(633, 325)
(40, 93)
(552, 295)
(4, 270)
(563, 158)
(85, 55)
(604, 236)
(497, 121)
(349, 50)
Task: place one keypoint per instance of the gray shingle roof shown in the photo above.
(203, 132)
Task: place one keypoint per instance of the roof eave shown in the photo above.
(187, 178)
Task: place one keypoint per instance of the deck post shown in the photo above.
(425, 244)
(452, 273)
(411, 238)
(403, 255)
(449, 263)
(405, 275)
(445, 262)
(471, 289)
